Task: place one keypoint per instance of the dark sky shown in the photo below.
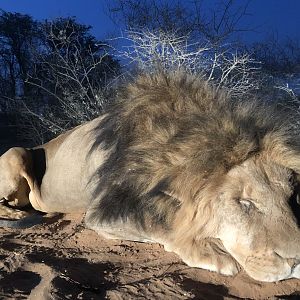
(279, 16)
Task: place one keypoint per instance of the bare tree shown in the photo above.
(278, 57)
(72, 74)
(18, 35)
(68, 83)
(226, 68)
(185, 17)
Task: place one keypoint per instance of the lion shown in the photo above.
(178, 162)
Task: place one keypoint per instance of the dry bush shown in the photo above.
(71, 83)
(225, 67)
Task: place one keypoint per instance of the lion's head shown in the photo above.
(256, 211)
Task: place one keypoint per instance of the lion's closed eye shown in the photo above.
(246, 205)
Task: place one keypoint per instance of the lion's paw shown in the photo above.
(222, 264)
(228, 266)
(11, 213)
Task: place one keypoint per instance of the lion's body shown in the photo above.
(60, 190)
(175, 162)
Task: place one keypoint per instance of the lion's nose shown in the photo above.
(295, 267)
(293, 262)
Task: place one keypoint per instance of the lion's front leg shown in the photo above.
(115, 229)
(208, 254)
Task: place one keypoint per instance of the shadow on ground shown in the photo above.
(70, 278)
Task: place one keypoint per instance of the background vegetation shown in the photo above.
(55, 74)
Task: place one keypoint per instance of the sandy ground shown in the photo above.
(61, 259)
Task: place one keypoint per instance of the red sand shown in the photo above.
(64, 260)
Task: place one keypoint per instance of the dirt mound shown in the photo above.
(63, 260)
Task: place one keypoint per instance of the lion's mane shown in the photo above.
(170, 137)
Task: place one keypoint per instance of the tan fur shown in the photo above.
(175, 161)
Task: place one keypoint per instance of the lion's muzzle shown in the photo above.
(271, 267)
